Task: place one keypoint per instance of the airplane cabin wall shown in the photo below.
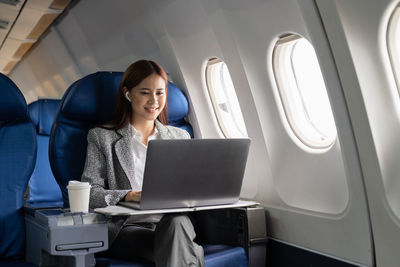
(314, 200)
(359, 30)
(256, 26)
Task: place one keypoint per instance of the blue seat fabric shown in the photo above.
(215, 256)
(17, 160)
(224, 256)
(43, 188)
(89, 102)
(178, 109)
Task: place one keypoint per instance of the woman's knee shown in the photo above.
(179, 219)
(177, 223)
(175, 219)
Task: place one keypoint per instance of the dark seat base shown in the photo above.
(4, 263)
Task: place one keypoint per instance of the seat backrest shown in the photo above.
(17, 161)
(43, 188)
(178, 109)
(88, 102)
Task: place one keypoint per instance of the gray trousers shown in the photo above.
(169, 243)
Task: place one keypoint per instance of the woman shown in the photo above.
(116, 156)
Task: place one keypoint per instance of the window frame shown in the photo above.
(392, 49)
(210, 89)
(283, 78)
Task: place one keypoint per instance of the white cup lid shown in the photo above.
(77, 185)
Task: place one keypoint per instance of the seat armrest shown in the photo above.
(30, 208)
(57, 236)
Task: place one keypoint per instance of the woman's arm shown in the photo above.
(95, 172)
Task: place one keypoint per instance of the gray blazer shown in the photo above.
(110, 163)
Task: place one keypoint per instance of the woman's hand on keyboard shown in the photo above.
(133, 196)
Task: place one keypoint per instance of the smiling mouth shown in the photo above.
(151, 110)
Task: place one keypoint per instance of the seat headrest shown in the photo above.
(178, 107)
(90, 99)
(12, 102)
(42, 113)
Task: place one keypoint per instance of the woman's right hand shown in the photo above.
(133, 196)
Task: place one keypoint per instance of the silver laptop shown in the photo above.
(192, 172)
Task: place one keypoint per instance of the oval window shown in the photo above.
(302, 92)
(224, 100)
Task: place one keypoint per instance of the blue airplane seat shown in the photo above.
(17, 161)
(214, 256)
(43, 188)
(178, 109)
(89, 102)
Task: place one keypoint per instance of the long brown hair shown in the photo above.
(135, 74)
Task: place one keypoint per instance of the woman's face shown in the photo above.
(148, 98)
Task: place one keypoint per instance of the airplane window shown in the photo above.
(224, 99)
(393, 43)
(303, 93)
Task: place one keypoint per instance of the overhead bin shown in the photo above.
(22, 24)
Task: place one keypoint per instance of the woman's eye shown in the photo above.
(160, 93)
(144, 93)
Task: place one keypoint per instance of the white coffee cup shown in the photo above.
(78, 194)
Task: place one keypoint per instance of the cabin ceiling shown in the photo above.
(22, 22)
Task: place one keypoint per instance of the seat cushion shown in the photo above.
(107, 262)
(215, 256)
(224, 256)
